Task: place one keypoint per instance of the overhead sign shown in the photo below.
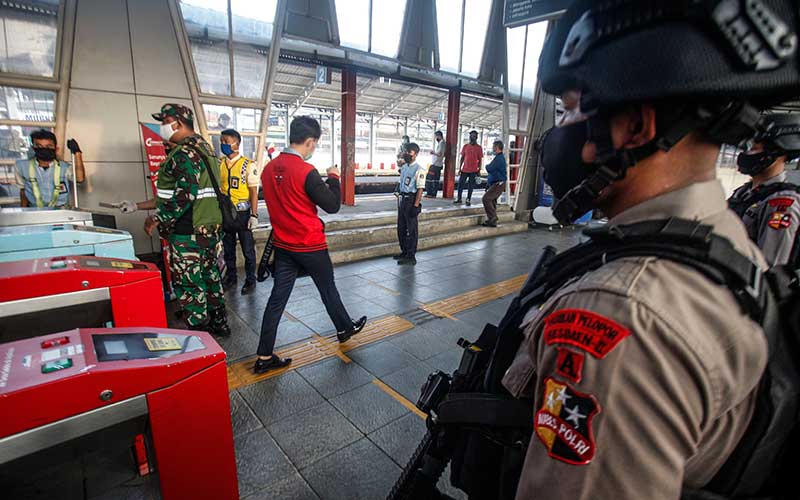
(323, 76)
(521, 12)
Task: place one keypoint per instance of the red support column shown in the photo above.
(451, 143)
(348, 137)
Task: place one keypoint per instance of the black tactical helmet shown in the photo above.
(708, 66)
(618, 51)
(782, 134)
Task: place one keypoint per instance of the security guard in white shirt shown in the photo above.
(412, 184)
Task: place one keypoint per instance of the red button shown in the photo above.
(46, 344)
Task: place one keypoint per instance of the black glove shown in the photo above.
(72, 145)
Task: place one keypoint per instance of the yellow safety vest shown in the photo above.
(37, 193)
(233, 179)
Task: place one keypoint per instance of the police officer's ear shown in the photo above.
(633, 127)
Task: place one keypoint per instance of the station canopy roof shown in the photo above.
(295, 86)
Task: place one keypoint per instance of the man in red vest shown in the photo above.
(292, 190)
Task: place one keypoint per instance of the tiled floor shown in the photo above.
(327, 430)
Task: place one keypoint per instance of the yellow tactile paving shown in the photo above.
(400, 398)
(316, 349)
(446, 308)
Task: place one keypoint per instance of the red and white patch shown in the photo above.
(585, 330)
(781, 203)
(780, 220)
(62, 188)
(569, 364)
(564, 423)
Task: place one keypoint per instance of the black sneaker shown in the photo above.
(457, 202)
(489, 224)
(248, 287)
(469, 203)
(273, 363)
(399, 256)
(229, 282)
(357, 327)
(407, 261)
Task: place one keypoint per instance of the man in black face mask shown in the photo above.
(44, 180)
(768, 205)
(642, 373)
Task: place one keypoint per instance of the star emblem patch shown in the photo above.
(780, 220)
(564, 423)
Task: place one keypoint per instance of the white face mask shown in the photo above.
(310, 153)
(166, 131)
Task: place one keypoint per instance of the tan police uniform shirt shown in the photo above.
(773, 223)
(643, 372)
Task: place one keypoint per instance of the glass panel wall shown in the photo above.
(352, 17)
(277, 130)
(207, 27)
(206, 24)
(387, 23)
(29, 30)
(476, 21)
(448, 17)
(27, 104)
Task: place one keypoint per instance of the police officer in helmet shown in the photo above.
(643, 372)
(768, 205)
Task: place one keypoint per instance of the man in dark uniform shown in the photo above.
(643, 373)
(768, 205)
(412, 184)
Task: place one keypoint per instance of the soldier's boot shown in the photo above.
(202, 327)
(219, 323)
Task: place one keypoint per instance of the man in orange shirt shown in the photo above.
(470, 165)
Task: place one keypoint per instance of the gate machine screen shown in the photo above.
(57, 240)
(43, 296)
(92, 412)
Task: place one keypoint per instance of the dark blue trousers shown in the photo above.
(245, 237)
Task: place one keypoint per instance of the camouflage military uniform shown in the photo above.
(189, 219)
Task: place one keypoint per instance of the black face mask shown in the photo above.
(561, 158)
(407, 158)
(754, 164)
(45, 154)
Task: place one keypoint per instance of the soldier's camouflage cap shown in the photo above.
(176, 110)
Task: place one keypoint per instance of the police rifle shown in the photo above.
(473, 375)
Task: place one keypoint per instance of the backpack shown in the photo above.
(483, 432)
(230, 216)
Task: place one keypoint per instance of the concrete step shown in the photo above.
(429, 241)
(341, 222)
(387, 233)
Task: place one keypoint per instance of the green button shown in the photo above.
(53, 366)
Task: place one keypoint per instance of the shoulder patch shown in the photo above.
(564, 423)
(585, 330)
(781, 203)
(780, 220)
(569, 364)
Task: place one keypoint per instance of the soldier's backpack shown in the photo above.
(484, 432)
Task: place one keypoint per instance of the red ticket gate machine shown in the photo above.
(97, 411)
(47, 295)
